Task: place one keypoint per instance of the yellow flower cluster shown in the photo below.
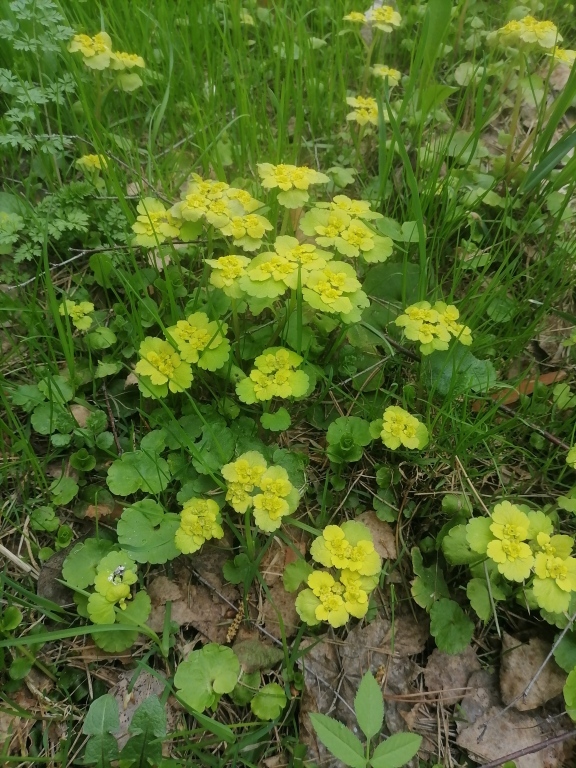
(392, 76)
(251, 483)
(197, 339)
(522, 542)
(348, 549)
(199, 521)
(385, 18)
(92, 163)
(530, 31)
(398, 427)
(292, 180)
(78, 312)
(433, 326)
(365, 110)
(273, 375)
(98, 54)
(154, 224)
(563, 56)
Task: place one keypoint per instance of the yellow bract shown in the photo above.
(356, 17)
(398, 427)
(365, 110)
(384, 18)
(154, 224)
(79, 313)
(433, 326)
(98, 54)
(392, 76)
(91, 163)
(199, 522)
(162, 365)
(530, 31)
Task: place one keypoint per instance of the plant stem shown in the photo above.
(516, 111)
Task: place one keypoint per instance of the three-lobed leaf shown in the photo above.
(450, 626)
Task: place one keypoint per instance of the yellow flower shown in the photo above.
(242, 477)
(347, 547)
(448, 314)
(96, 50)
(91, 163)
(199, 521)
(248, 203)
(530, 31)
(384, 18)
(209, 188)
(356, 17)
(246, 18)
(292, 180)
(508, 550)
(398, 427)
(355, 596)
(201, 341)
(329, 593)
(268, 276)
(563, 56)
(433, 326)
(154, 224)
(335, 289)
(273, 375)
(162, 365)
(226, 271)
(358, 208)
(123, 60)
(278, 499)
(115, 574)
(247, 231)
(79, 313)
(555, 546)
(386, 73)
(555, 579)
(365, 110)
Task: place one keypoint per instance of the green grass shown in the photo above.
(495, 237)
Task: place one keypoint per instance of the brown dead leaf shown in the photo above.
(278, 556)
(482, 696)
(382, 534)
(99, 511)
(406, 637)
(128, 701)
(559, 76)
(14, 730)
(131, 380)
(519, 663)
(161, 590)
(526, 387)
(450, 673)
(283, 603)
(80, 413)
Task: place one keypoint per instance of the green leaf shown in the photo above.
(396, 751)
(101, 265)
(549, 161)
(135, 471)
(450, 626)
(56, 389)
(44, 519)
(429, 584)
(246, 688)
(477, 593)
(100, 338)
(20, 667)
(565, 652)
(82, 460)
(101, 721)
(269, 702)
(146, 532)
(369, 706)
(237, 570)
(49, 417)
(276, 422)
(206, 675)
(136, 613)
(457, 371)
(456, 547)
(570, 694)
(10, 618)
(215, 449)
(79, 568)
(148, 727)
(27, 397)
(339, 740)
(63, 490)
(296, 574)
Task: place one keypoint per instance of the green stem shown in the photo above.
(248, 535)
(516, 111)
(285, 221)
(236, 329)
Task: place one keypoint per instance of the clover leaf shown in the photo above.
(346, 438)
(135, 471)
(146, 532)
(269, 702)
(206, 675)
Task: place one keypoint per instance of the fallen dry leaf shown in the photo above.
(14, 730)
(518, 665)
(450, 673)
(80, 413)
(99, 511)
(382, 534)
(526, 387)
(277, 557)
(482, 695)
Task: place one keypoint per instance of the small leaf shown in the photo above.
(296, 574)
(369, 706)
(146, 532)
(269, 702)
(343, 744)
(10, 618)
(63, 490)
(79, 568)
(450, 626)
(396, 750)
(457, 371)
(565, 652)
(101, 721)
(206, 675)
(570, 694)
(235, 571)
(276, 422)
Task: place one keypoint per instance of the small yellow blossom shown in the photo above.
(123, 60)
(384, 18)
(273, 375)
(247, 231)
(154, 224)
(162, 365)
(356, 17)
(555, 546)
(292, 180)
(365, 110)
(199, 522)
(335, 289)
(354, 208)
(433, 326)
(246, 18)
(392, 76)
(97, 50)
(79, 313)
(531, 32)
(115, 574)
(563, 56)
(398, 427)
(355, 596)
(91, 163)
(347, 547)
(510, 526)
(555, 579)
(329, 593)
(248, 203)
(278, 499)
(201, 341)
(226, 272)
(243, 477)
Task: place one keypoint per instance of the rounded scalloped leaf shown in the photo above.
(213, 359)
(355, 532)
(146, 532)
(206, 675)
(478, 534)
(306, 604)
(293, 198)
(245, 391)
(269, 702)
(100, 610)
(136, 612)
(276, 422)
(79, 567)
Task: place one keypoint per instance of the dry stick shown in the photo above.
(529, 750)
(18, 562)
